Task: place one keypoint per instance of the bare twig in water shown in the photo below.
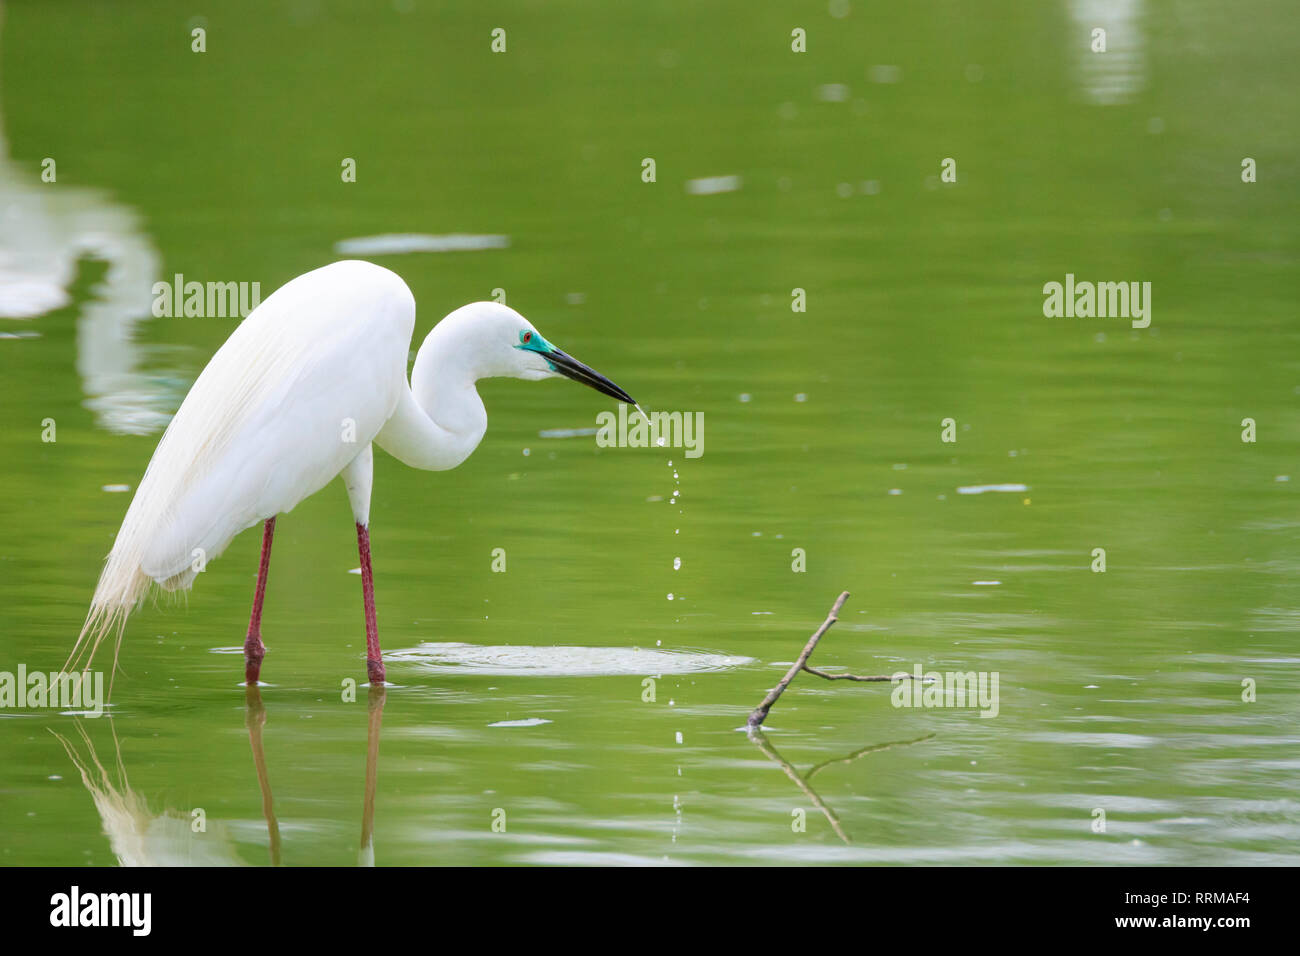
(759, 713)
(873, 677)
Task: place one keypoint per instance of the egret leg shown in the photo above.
(254, 649)
(374, 658)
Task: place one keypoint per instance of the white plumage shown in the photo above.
(295, 397)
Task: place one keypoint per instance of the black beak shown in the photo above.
(570, 367)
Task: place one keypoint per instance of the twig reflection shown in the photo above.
(760, 740)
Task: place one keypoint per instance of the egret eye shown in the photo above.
(525, 337)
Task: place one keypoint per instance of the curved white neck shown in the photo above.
(440, 419)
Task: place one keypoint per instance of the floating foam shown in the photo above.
(527, 661)
(980, 489)
(565, 432)
(397, 243)
(712, 184)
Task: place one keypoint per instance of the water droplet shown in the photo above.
(677, 563)
(670, 595)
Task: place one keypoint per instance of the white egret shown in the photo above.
(294, 398)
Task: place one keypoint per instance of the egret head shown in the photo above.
(510, 346)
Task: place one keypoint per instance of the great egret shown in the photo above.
(295, 397)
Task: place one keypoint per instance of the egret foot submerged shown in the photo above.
(253, 654)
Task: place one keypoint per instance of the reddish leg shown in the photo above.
(254, 649)
(374, 660)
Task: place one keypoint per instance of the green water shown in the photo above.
(1120, 691)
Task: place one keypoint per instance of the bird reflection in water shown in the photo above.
(139, 837)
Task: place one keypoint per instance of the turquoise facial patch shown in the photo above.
(536, 344)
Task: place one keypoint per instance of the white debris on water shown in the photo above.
(710, 185)
(986, 583)
(565, 432)
(526, 722)
(980, 489)
(558, 661)
(116, 488)
(398, 243)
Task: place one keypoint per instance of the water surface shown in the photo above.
(569, 696)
